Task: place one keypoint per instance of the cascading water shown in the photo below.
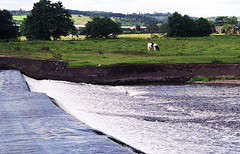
(155, 119)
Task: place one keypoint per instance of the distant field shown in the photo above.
(19, 17)
(22, 38)
(214, 49)
(80, 20)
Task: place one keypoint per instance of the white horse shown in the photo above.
(152, 45)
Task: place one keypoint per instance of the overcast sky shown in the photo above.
(197, 8)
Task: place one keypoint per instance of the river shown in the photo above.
(155, 118)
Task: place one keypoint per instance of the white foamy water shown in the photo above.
(155, 119)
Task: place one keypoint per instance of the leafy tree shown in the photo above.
(101, 27)
(203, 27)
(152, 28)
(163, 28)
(8, 29)
(47, 20)
(189, 27)
(184, 26)
(26, 28)
(175, 25)
(180, 26)
(220, 21)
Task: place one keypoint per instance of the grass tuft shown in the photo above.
(201, 78)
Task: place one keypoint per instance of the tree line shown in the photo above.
(184, 26)
(51, 20)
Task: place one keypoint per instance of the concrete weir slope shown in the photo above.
(31, 123)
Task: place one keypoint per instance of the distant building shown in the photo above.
(144, 28)
(128, 27)
(79, 26)
(234, 30)
(219, 29)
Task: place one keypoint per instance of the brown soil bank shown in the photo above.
(117, 74)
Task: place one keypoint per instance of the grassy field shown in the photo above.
(80, 20)
(19, 17)
(214, 49)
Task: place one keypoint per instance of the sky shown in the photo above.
(196, 8)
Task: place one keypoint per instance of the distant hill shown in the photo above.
(81, 17)
(19, 12)
(125, 19)
(215, 17)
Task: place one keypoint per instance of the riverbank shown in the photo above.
(232, 82)
(117, 74)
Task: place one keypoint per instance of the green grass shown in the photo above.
(201, 78)
(211, 78)
(214, 49)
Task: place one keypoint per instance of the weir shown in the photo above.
(31, 123)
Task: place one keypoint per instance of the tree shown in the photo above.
(203, 27)
(152, 28)
(47, 20)
(101, 27)
(8, 29)
(184, 26)
(223, 20)
(175, 25)
(189, 27)
(180, 26)
(163, 28)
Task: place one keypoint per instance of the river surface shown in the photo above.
(155, 118)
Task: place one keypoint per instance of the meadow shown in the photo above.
(213, 49)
